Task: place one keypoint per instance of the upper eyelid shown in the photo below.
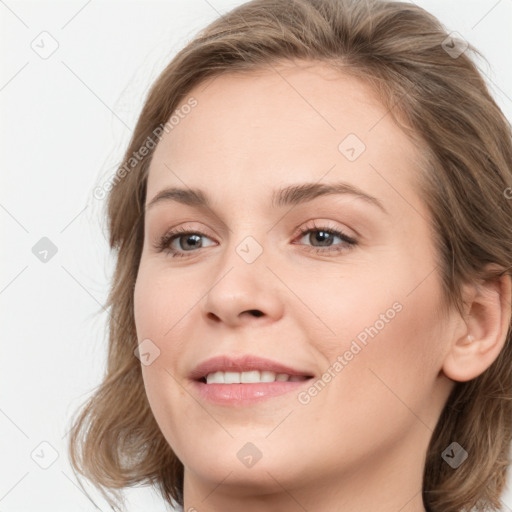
(323, 208)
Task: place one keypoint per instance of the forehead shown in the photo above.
(288, 123)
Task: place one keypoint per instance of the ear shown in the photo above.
(488, 313)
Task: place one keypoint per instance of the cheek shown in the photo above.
(383, 330)
(394, 359)
(157, 308)
(161, 302)
(164, 303)
(343, 306)
(145, 297)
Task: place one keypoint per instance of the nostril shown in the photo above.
(255, 312)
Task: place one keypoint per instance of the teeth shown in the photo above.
(267, 376)
(250, 377)
(231, 378)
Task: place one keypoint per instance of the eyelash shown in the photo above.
(163, 244)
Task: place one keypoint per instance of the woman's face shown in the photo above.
(361, 319)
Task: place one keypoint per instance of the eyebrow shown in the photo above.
(290, 195)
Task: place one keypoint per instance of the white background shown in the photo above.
(65, 122)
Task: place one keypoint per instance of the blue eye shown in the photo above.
(189, 240)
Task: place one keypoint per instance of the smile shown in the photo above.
(245, 379)
(251, 377)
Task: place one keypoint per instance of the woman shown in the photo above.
(311, 308)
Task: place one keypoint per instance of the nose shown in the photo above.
(243, 293)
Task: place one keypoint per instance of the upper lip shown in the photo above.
(243, 363)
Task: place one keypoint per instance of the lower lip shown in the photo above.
(245, 394)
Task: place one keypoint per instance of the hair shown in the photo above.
(444, 105)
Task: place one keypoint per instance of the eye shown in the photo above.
(180, 241)
(324, 236)
(186, 238)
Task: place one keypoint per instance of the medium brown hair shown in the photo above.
(442, 101)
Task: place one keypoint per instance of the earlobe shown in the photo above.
(485, 331)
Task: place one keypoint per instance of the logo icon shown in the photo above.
(249, 455)
(454, 455)
(45, 45)
(147, 352)
(454, 45)
(351, 147)
(249, 249)
(44, 455)
(44, 250)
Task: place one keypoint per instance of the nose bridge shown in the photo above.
(242, 282)
(248, 235)
(242, 265)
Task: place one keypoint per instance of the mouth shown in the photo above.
(245, 380)
(250, 377)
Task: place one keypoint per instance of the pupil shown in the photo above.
(321, 236)
(191, 237)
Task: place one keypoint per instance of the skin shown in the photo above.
(360, 443)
